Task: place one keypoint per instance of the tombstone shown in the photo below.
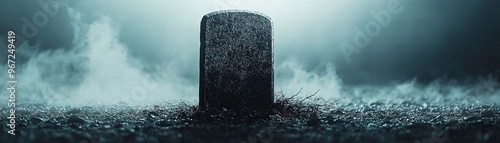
(236, 62)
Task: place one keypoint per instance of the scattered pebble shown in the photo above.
(36, 120)
(153, 114)
(76, 119)
(74, 111)
(487, 113)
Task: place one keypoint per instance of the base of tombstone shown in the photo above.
(234, 112)
(208, 115)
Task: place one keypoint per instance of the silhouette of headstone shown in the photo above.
(236, 62)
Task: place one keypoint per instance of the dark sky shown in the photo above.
(89, 42)
(432, 40)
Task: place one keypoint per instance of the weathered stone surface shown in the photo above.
(236, 62)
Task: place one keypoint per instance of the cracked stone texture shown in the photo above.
(236, 61)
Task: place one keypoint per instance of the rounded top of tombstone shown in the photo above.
(236, 11)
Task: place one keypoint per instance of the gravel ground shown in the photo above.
(360, 122)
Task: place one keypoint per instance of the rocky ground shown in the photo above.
(290, 123)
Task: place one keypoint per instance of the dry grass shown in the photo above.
(296, 107)
(284, 107)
